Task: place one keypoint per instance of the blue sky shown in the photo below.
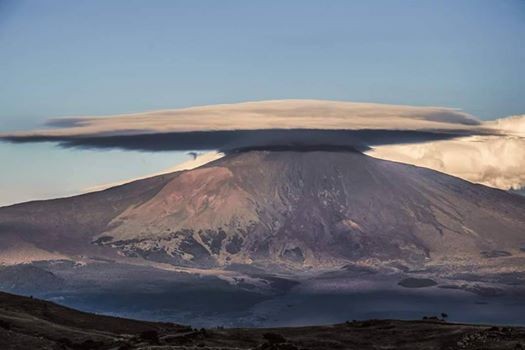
(68, 58)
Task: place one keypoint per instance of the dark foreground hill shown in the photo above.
(27, 323)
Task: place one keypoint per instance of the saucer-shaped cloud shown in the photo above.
(229, 126)
(444, 139)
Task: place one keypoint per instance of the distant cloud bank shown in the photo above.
(496, 160)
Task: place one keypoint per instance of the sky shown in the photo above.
(61, 58)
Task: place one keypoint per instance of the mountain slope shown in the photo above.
(287, 209)
(67, 225)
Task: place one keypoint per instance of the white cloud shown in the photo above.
(496, 161)
(514, 125)
(276, 114)
(495, 157)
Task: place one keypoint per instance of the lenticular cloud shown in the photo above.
(264, 122)
(444, 139)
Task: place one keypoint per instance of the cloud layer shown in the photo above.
(262, 123)
(444, 139)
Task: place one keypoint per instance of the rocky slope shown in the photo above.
(285, 209)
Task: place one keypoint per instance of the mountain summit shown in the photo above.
(287, 209)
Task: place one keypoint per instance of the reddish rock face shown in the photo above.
(285, 209)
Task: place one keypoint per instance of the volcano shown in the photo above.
(284, 209)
